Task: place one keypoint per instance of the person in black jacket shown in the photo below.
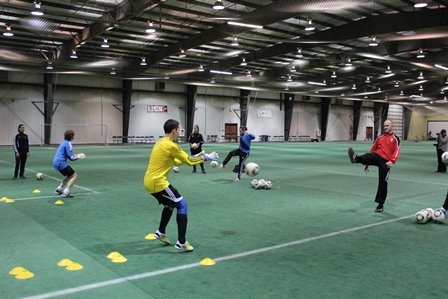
(21, 151)
(196, 140)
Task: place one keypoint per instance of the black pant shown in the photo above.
(383, 174)
(441, 167)
(243, 156)
(20, 163)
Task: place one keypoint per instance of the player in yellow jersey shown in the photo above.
(165, 154)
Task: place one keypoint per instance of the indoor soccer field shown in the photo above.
(313, 235)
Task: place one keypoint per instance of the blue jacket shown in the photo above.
(64, 153)
(245, 142)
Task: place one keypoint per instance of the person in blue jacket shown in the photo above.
(242, 151)
(63, 154)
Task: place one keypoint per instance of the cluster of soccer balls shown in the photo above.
(426, 215)
(261, 184)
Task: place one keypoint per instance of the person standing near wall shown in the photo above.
(384, 154)
(442, 145)
(21, 152)
(196, 140)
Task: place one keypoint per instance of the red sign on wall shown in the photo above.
(157, 108)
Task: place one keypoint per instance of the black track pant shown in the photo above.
(20, 163)
(237, 152)
(383, 174)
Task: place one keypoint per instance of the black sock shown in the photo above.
(182, 221)
(164, 219)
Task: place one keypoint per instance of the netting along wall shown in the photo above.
(84, 133)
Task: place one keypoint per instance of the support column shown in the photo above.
(380, 111)
(406, 122)
(324, 111)
(126, 109)
(244, 98)
(48, 106)
(192, 91)
(289, 105)
(356, 116)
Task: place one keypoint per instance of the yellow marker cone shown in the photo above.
(74, 267)
(21, 273)
(3, 198)
(59, 202)
(36, 191)
(65, 262)
(150, 237)
(116, 257)
(9, 200)
(207, 262)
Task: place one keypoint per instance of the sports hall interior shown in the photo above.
(314, 234)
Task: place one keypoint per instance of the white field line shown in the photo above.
(111, 282)
(53, 196)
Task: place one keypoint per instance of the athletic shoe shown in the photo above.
(14, 178)
(58, 192)
(237, 180)
(352, 155)
(185, 247)
(66, 195)
(222, 166)
(162, 238)
(203, 172)
(379, 209)
(442, 210)
(22, 177)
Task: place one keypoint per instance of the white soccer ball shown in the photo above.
(445, 157)
(254, 183)
(252, 169)
(438, 216)
(214, 164)
(39, 176)
(261, 184)
(421, 216)
(430, 213)
(194, 146)
(176, 169)
(268, 185)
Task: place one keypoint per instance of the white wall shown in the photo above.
(366, 119)
(305, 119)
(340, 123)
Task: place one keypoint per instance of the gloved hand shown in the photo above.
(211, 157)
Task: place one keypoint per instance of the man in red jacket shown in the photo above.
(384, 154)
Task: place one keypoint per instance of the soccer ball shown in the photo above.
(268, 185)
(39, 176)
(254, 183)
(176, 169)
(261, 184)
(421, 216)
(252, 169)
(445, 157)
(214, 164)
(430, 213)
(438, 217)
(194, 146)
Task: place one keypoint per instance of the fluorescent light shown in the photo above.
(334, 75)
(49, 65)
(220, 72)
(373, 42)
(113, 72)
(243, 62)
(8, 32)
(37, 11)
(182, 53)
(420, 3)
(368, 80)
(201, 68)
(388, 70)
(293, 69)
(104, 44)
(310, 26)
(421, 54)
(396, 84)
(289, 78)
(143, 61)
(317, 83)
(218, 5)
(441, 67)
(150, 28)
(348, 62)
(73, 55)
(245, 25)
(354, 86)
(420, 76)
(235, 41)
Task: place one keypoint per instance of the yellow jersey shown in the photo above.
(165, 154)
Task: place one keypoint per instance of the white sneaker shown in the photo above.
(237, 180)
(222, 166)
(185, 247)
(66, 195)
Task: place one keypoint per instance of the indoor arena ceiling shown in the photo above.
(195, 43)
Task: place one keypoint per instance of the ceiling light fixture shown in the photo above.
(182, 53)
(420, 76)
(37, 11)
(420, 88)
(243, 62)
(348, 62)
(220, 72)
(289, 78)
(421, 54)
(354, 86)
(8, 31)
(49, 65)
(441, 67)
(309, 26)
(143, 61)
(105, 44)
(324, 83)
(420, 3)
(368, 79)
(200, 68)
(73, 55)
(151, 28)
(248, 74)
(293, 69)
(218, 5)
(373, 42)
(299, 53)
(401, 93)
(212, 81)
(334, 76)
(245, 25)
(113, 72)
(235, 42)
(396, 84)
(388, 70)
(286, 88)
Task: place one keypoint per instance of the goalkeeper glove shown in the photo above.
(211, 157)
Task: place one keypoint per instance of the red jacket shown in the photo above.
(387, 146)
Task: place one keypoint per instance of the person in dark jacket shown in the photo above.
(21, 152)
(196, 140)
(384, 154)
